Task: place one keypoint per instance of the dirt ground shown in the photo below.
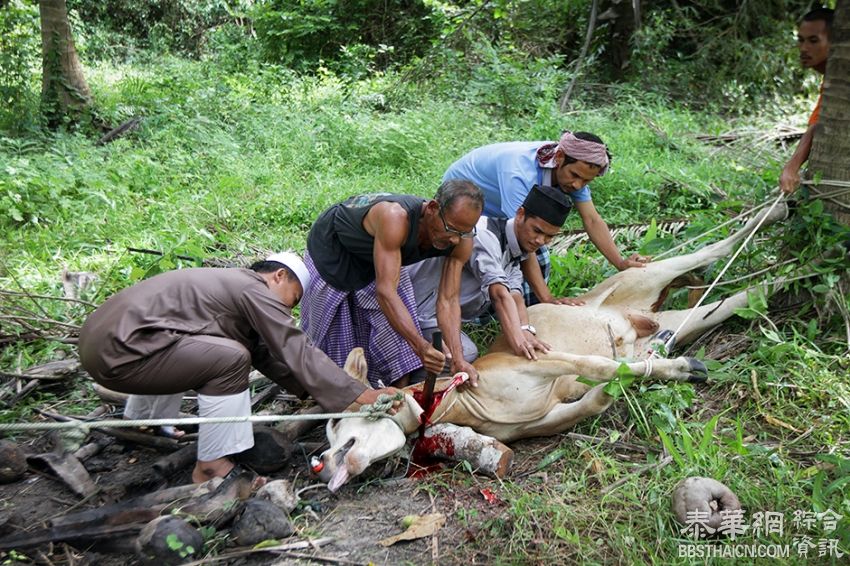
(356, 518)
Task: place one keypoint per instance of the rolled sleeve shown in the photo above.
(486, 262)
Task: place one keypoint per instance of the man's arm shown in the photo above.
(294, 355)
(789, 180)
(448, 307)
(390, 224)
(598, 232)
(511, 312)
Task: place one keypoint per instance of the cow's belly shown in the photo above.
(584, 330)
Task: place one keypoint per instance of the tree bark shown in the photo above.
(830, 155)
(64, 90)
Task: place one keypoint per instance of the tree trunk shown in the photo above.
(830, 155)
(64, 90)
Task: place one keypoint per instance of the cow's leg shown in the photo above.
(702, 320)
(601, 368)
(639, 288)
(565, 416)
(724, 247)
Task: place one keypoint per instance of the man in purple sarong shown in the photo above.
(359, 295)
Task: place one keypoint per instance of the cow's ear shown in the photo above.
(644, 326)
(356, 367)
(409, 415)
(330, 430)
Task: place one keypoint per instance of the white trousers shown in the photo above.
(214, 440)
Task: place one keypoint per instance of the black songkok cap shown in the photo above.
(548, 203)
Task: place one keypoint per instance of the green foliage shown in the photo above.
(180, 548)
(694, 53)
(236, 157)
(118, 27)
(20, 49)
(350, 36)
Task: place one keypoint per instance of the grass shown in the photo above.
(229, 164)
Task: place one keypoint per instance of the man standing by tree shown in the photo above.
(359, 295)
(507, 171)
(813, 35)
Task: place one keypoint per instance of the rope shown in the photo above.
(669, 341)
(373, 414)
(831, 182)
(379, 408)
(707, 232)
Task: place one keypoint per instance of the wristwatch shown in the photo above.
(529, 328)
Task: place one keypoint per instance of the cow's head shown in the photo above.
(357, 442)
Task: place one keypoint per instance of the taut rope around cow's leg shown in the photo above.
(668, 343)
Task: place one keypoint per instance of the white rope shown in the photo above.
(648, 361)
(830, 182)
(669, 341)
(125, 423)
(707, 232)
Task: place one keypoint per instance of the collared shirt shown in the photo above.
(230, 303)
(505, 172)
(495, 260)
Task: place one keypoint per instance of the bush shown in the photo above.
(710, 53)
(20, 59)
(345, 35)
(163, 25)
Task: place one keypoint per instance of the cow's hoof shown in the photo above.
(698, 371)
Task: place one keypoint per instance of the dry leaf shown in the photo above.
(422, 526)
(776, 422)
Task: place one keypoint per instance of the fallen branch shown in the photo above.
(128, 517)
(123, 129)
(273, 549)
(16, 318)
(48, 297)
(643, 469)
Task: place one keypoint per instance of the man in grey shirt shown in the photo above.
(204, 329)
(492, 278)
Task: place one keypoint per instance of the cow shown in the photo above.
(517, 398)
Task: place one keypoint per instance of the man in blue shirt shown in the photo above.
(505, 172)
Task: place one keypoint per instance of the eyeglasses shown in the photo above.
(465, 235)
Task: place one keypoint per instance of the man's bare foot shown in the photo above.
(217, 468)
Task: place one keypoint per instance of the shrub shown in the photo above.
(20, 57)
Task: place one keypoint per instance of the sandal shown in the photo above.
(166, 431)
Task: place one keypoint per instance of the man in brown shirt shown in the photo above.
(204, 329)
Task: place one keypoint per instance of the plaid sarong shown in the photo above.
(339, 321)
(546, 268)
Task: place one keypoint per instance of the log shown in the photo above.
(68, 468)
(171, 495)
(486, 454)
(293, 429)
(176, 461)
(108, 395)
(129, 517)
